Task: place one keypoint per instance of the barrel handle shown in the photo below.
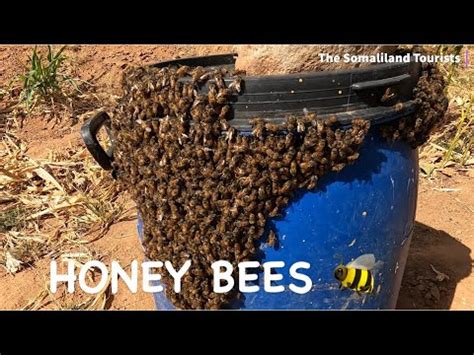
(89, 135)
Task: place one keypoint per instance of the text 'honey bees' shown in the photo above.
(222, 270)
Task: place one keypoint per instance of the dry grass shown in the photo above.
(55, 207)
(62, 300)
(453, 145)
(51, 206)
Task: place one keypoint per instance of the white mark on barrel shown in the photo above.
(352, 243)
(304, 240)
(379, 287)
(292, 91)
(396, 267)
(300, 80)
(340, 92)
(393, 188)
(364, 214)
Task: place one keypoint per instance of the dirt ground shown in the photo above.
(444, 232)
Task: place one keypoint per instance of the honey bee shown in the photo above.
(197, 73)
(219, 81)
(258, 130)
(237, 72)
(272, 239)
(272, 128)
(236, 85)
(223, 115)
(301, 127)
(212, 94)
(313, 180)
(338, 167)
(388, 94)
(182, 71)
(222, 96)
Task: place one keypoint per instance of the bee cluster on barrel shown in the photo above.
(204, 190)
(432, 104)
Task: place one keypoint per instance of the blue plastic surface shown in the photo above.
(369, 207)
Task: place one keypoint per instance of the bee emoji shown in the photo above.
(357, 274)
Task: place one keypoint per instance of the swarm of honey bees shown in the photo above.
(432, 104)
(205, 190)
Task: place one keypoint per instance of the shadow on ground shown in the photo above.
(422, 287)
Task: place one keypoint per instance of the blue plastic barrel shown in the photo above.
(368, 207)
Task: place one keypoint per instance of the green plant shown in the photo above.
(461, 143)
(451, 67)
(11, 218)
(45, 77)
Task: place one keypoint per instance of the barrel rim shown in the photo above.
(327, 93)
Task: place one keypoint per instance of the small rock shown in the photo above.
(435, 292)
(420, 287)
